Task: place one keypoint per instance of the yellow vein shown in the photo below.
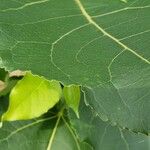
(79, 51)
(111, 62)
(25, 127)
(34, 42)
(119, 10)
(91, 21)
(72, 133)
(124, 140)
(51, 18)
(24, 6)
(104, 133)
(141, 98)
(133, 35)
(53, 133)
(60, 38)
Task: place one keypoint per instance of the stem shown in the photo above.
(54, 130)
(72, 133)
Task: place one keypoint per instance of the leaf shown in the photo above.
(37, 134)
(112, 104)
(104, 136)
(72, 97)
(32, 97)
(101, 43)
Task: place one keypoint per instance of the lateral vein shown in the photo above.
(24, 6)
(120, 10)
(25, 127)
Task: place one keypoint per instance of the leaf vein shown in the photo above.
(120, 10)
(54, 44)
(53, 134)
(91, 21)
(24, 6)
(25, 127)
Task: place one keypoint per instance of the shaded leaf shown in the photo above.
(37, 134)
(3, 104)
(3, 74)
(104, 136)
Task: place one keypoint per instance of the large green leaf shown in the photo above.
(103, 136)
(100, 44)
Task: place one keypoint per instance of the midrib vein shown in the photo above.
(25, 127)
(91, 21)
(53, 134)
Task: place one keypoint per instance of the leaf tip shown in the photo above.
(77, 113)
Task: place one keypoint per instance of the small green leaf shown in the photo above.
(72, 97)
(31, 97)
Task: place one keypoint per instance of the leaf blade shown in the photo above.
(31, 97)
(72, 97)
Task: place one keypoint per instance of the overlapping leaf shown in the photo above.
(32, 97)
(50, 132)
(104, 136)
(37, 134)
(72, 95)
(102, 45)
